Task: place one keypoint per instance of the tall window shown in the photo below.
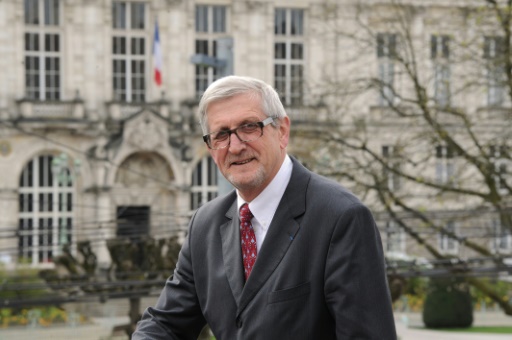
(386, 53)
(392, 180)
(129, 46)
(502, 237)
(499, 159)
(496, 77)
(440, 53)
(210, 25)
(395, 238)
(42, 49)
(289, 55)
(445, 164)
(446, 243)
(45, 211)
(204, 183)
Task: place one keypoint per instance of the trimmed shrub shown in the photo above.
(448, 305)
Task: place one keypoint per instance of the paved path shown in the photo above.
(407, 328)
(98, 329)
(420, 334)
(101, 329)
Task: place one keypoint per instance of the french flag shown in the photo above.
(157, 56)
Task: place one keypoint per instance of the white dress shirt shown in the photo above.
(264, 206)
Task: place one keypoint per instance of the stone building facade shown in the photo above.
(91, 147)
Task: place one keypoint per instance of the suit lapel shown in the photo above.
(280, 235)
(232, 253)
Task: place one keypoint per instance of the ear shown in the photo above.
(284, 132)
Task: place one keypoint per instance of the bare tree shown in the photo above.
(423, 94)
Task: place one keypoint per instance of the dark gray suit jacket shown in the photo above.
(319, 273)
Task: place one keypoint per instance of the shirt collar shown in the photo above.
(264, 206)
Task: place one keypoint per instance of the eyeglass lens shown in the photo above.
(245, 133)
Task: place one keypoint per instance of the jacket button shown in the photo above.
(239, 323)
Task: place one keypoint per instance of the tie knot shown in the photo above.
(245, 213)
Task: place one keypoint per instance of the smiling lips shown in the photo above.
(242, 162)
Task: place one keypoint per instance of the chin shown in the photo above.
(246, 182)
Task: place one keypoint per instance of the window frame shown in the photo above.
(445, 165)
(130, 51)
(393, 181)
(204, 182)
(447, 244)
(440, 55)
(395, 238)
(43, 50)
(500, 163)
(387, 44)
(494, 72)
(45, 198)
(205, 41)
(289, 67)
(502, 240)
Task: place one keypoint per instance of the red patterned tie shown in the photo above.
(248, 239)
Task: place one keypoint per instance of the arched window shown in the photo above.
(204, 183)
(45, 211)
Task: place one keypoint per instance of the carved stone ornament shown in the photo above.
(143, 169)
(146, 135)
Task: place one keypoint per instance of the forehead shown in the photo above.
(233, 111)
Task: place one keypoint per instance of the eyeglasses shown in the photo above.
(246, 133)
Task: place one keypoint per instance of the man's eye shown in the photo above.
(221, 135)
(251, 127)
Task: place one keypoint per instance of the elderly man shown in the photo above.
(287, 255)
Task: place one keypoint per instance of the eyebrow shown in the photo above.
(243, 122)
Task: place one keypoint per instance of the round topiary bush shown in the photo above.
(448, 305)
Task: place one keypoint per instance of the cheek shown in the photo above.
(215, 156)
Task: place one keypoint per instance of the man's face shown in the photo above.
(251, 166)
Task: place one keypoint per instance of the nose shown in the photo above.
(235, 144)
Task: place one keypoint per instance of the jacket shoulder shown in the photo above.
(329, 189)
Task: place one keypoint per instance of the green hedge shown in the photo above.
(448, 305)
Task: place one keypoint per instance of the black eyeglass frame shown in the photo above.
(261, 124)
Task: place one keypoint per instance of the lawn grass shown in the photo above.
(478, 329)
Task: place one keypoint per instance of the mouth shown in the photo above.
(242, 162)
